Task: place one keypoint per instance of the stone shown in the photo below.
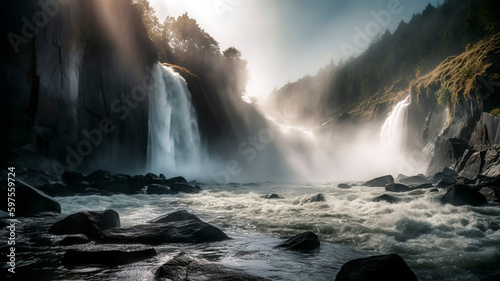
(379, 182)
(272, 196)
(185, 231)
(183, 267)
(105, 257)
(387, 198)
(74, 240)
(474, 165)
(320, 197)
(490, 193)
(98, 176)
(72, 177)
(415, 180)
(121, 186)
(158, 189)
(173, 180)
(304, 242)
(184, 188)
(397, 187)
(175, 216)
(423, 186)
(89, 223)
(459, 195)
(29, 201)
(343, 186)
(376, 268)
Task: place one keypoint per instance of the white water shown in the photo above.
(174, 140)
(439, 242)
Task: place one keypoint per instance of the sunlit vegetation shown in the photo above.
(414, 49)
(496, 112)
(181, 41)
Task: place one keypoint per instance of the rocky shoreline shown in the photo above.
(104, 228)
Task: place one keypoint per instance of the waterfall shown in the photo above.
(174, 139)
(393, 135)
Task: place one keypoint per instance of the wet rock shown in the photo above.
(99, 176)
(459, 195)
(423, 186)
(304, 242)
(174, 180)
(30, 201)
(74, 240)
(379, 182)
(158, 189)
(415, 180)
(162, 176)
(343, 186)
(182, 267)
(272, 196)
(186, 231)
(449, 172)
(376, 268)
(446, 181)
(492, 161)
(110, 258)
(387, 198)
(72, 177)
(89, 223)
(473, 165)
(250, 184)
(320, 197)
(490, 181)
(490, 193)
(184, 188)
(152, 178)
(397, 187)
(175, 216)
(123, 186)
(433, 190)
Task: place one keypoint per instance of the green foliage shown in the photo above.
(413, 49)
(443, 97)
(496, 112)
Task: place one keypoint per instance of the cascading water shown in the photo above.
(393, 135)
(174, 139)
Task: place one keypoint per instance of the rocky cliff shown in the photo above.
(73, 81)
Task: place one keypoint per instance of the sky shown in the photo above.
(284, 40)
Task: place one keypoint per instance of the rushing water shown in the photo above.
(174, 138)
(439, 242)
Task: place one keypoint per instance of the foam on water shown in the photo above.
(440, 242)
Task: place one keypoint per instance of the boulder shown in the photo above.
(343, 186)
(74, 240)
(99, 176)
(415, 180)
(158, 189)
(492, 162)
(376, 268)
(175, 216)
(459, 195)
(446, 181)
(184, 188)
(272, 196)
(173, 180)
(449, 172)
(423, 186)
(379, 182)
(29, 201)
(110, 258)
(474, 165)
(182, 267)
(72, 177)
(304, 242)
(124, 186)
(152, 178)
(320, 197)
(490, 193)
(186, 231)
(89, 223)
(387, 198)
(397, 187)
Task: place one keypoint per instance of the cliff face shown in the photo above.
(73, 81)
(450, 105)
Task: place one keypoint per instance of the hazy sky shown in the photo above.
(283, 40)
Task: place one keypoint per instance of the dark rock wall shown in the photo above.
(68, 74)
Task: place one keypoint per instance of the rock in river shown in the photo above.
(111, 258)
(30, 201)
(379, 182)
(87, 222)
(460, 195)
(182, 267)
(376, 268)
(304, 242)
